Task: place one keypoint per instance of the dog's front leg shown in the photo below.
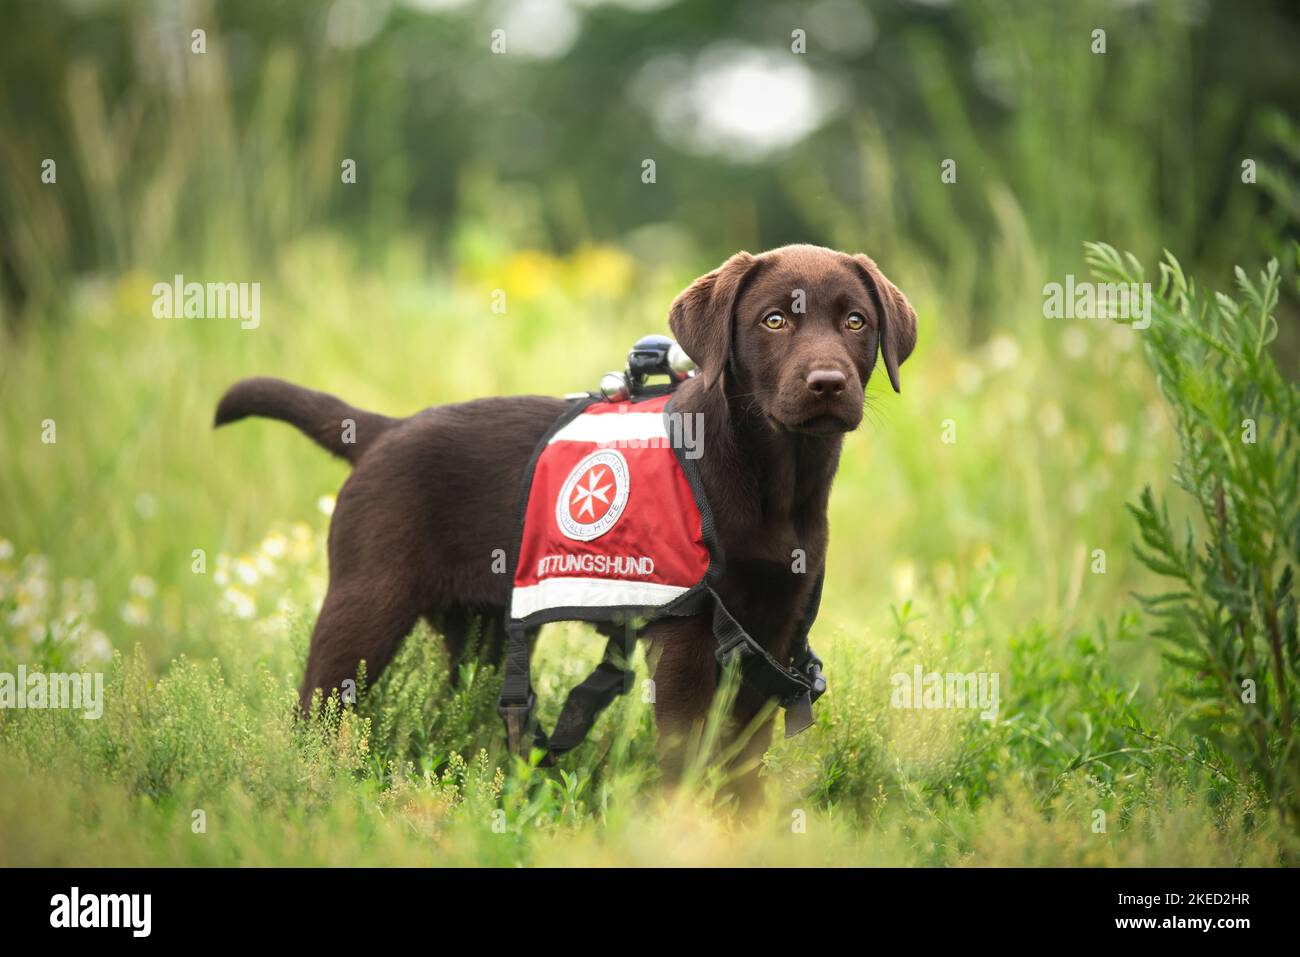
(685, 680)
(685, 683)
(747, 739)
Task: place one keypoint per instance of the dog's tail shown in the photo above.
(335, 426)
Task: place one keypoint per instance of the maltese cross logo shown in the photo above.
(585, 496)
(593, 496)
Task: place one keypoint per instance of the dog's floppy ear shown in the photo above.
(898, 337)
(701, 315)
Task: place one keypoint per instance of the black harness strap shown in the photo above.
(805, 660)
(515, 704)
(612, 677)
(795, 688)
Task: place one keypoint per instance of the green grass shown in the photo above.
(979, 554)
(975, 555)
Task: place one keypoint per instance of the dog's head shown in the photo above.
(796, 329)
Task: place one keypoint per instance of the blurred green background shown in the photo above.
(522, 171)
(170, 158)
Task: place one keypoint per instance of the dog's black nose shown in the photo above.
(826, 383)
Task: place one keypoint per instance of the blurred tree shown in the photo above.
(165, 155)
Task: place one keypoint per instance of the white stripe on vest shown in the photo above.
(613, 427)
(589, 593)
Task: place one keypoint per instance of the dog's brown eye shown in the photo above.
(855, 321)
(774, 321)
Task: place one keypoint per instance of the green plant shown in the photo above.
(1231, 621)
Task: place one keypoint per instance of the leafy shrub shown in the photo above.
(1230, 622)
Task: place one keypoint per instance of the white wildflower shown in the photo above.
(1075, 342)
(142, 586)
(135, 613)
(1004, 352)
(240, 603)
(1050, 419)
(246, 571)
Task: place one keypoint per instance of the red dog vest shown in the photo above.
(615, 527)
(612, 520)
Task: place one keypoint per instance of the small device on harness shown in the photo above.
(651, 355)
(615, 527)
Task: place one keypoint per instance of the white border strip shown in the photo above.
(611, 427)
(589, 593)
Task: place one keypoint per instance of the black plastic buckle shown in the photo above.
(798, 707)
(516, 718)
(810, 666)
(814, 673)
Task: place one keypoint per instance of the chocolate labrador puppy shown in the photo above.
(785, 342)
